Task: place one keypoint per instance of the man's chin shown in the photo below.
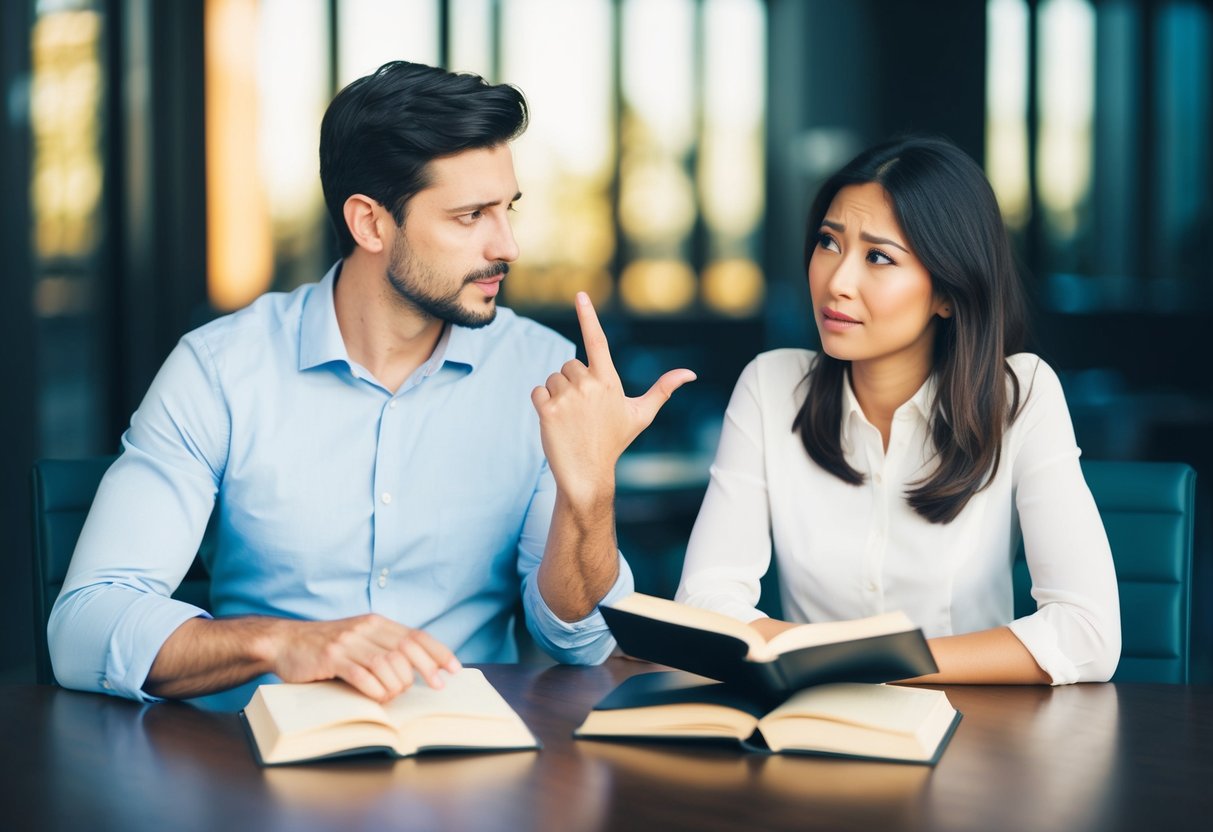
(478, 318)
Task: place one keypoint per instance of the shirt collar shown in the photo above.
(319, 335)
(320, 338)
(919, 403)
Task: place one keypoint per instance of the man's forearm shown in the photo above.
(203, 656)
(581, 559)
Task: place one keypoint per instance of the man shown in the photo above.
(385, 489)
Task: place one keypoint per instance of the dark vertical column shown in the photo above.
(931, 70)
(822, 108)
(161, 280)
(18, 415)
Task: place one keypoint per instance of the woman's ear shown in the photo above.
(363, 217)
(943, 308)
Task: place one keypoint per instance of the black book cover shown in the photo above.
(722, 657)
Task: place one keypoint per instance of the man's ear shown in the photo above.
(365, 218)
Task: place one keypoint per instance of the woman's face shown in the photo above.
(872, 297)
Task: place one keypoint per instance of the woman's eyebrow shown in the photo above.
(865, 236)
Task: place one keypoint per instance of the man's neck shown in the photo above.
(381, 333)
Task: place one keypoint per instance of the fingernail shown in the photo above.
(583, 298)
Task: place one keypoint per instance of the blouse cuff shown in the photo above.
(1041, 641)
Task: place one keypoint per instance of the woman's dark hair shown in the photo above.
(380, 133)
(950, 217)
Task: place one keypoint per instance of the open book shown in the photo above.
(295, 722)
(882, 648)
(847, 719)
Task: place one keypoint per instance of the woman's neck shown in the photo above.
(883, 385)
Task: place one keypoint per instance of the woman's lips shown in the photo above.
(834, 321)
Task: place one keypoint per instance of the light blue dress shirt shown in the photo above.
(335, 497)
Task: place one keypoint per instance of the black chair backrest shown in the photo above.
(63, 491)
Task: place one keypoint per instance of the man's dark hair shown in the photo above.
(380, 133)
(950, 217)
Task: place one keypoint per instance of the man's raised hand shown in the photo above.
(586, 421)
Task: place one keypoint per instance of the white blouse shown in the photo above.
(847, 551)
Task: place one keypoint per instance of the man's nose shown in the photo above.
(502, 245)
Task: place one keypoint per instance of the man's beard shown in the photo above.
(416, 285)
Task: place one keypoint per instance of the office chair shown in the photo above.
(1148, 512)
(63, 490)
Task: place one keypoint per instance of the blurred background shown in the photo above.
(158, 167)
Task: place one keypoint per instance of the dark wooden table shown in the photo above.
(1085, 757)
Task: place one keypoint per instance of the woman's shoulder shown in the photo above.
(1031, 370)
(774, 377)
(1039, 385)
(780, 364)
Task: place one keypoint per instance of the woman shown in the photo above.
(894, 469)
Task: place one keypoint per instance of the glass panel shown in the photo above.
(372, 32)
(1063, 174)
(67, 107)
(559, 54)
(657, 200)
(731, 157)
(239, 236)
(294, 84)
(1007, 107)
(472, 37)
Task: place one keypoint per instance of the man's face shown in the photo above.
(449, 258)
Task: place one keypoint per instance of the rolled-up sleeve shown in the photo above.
(147, 520)
(1075, 633)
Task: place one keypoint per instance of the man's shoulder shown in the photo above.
(254, 326)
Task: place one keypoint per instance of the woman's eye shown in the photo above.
(827, 242)
(879, 258)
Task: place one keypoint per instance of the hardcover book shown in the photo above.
(881, 648)
(869, 721)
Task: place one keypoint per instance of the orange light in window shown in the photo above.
(239, 242)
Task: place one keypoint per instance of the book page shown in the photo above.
(466, 712)
(300, 708)
(466, 694)
(833, 632)
(663, 610)
(684, 720)
(877, 720)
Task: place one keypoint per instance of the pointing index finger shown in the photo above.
(597, 350)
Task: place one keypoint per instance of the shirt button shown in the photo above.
(105, 683)
(392, 404)
(382, 581)
(387, 498)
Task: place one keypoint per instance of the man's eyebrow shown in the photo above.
(865, 236)
(479, 206)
